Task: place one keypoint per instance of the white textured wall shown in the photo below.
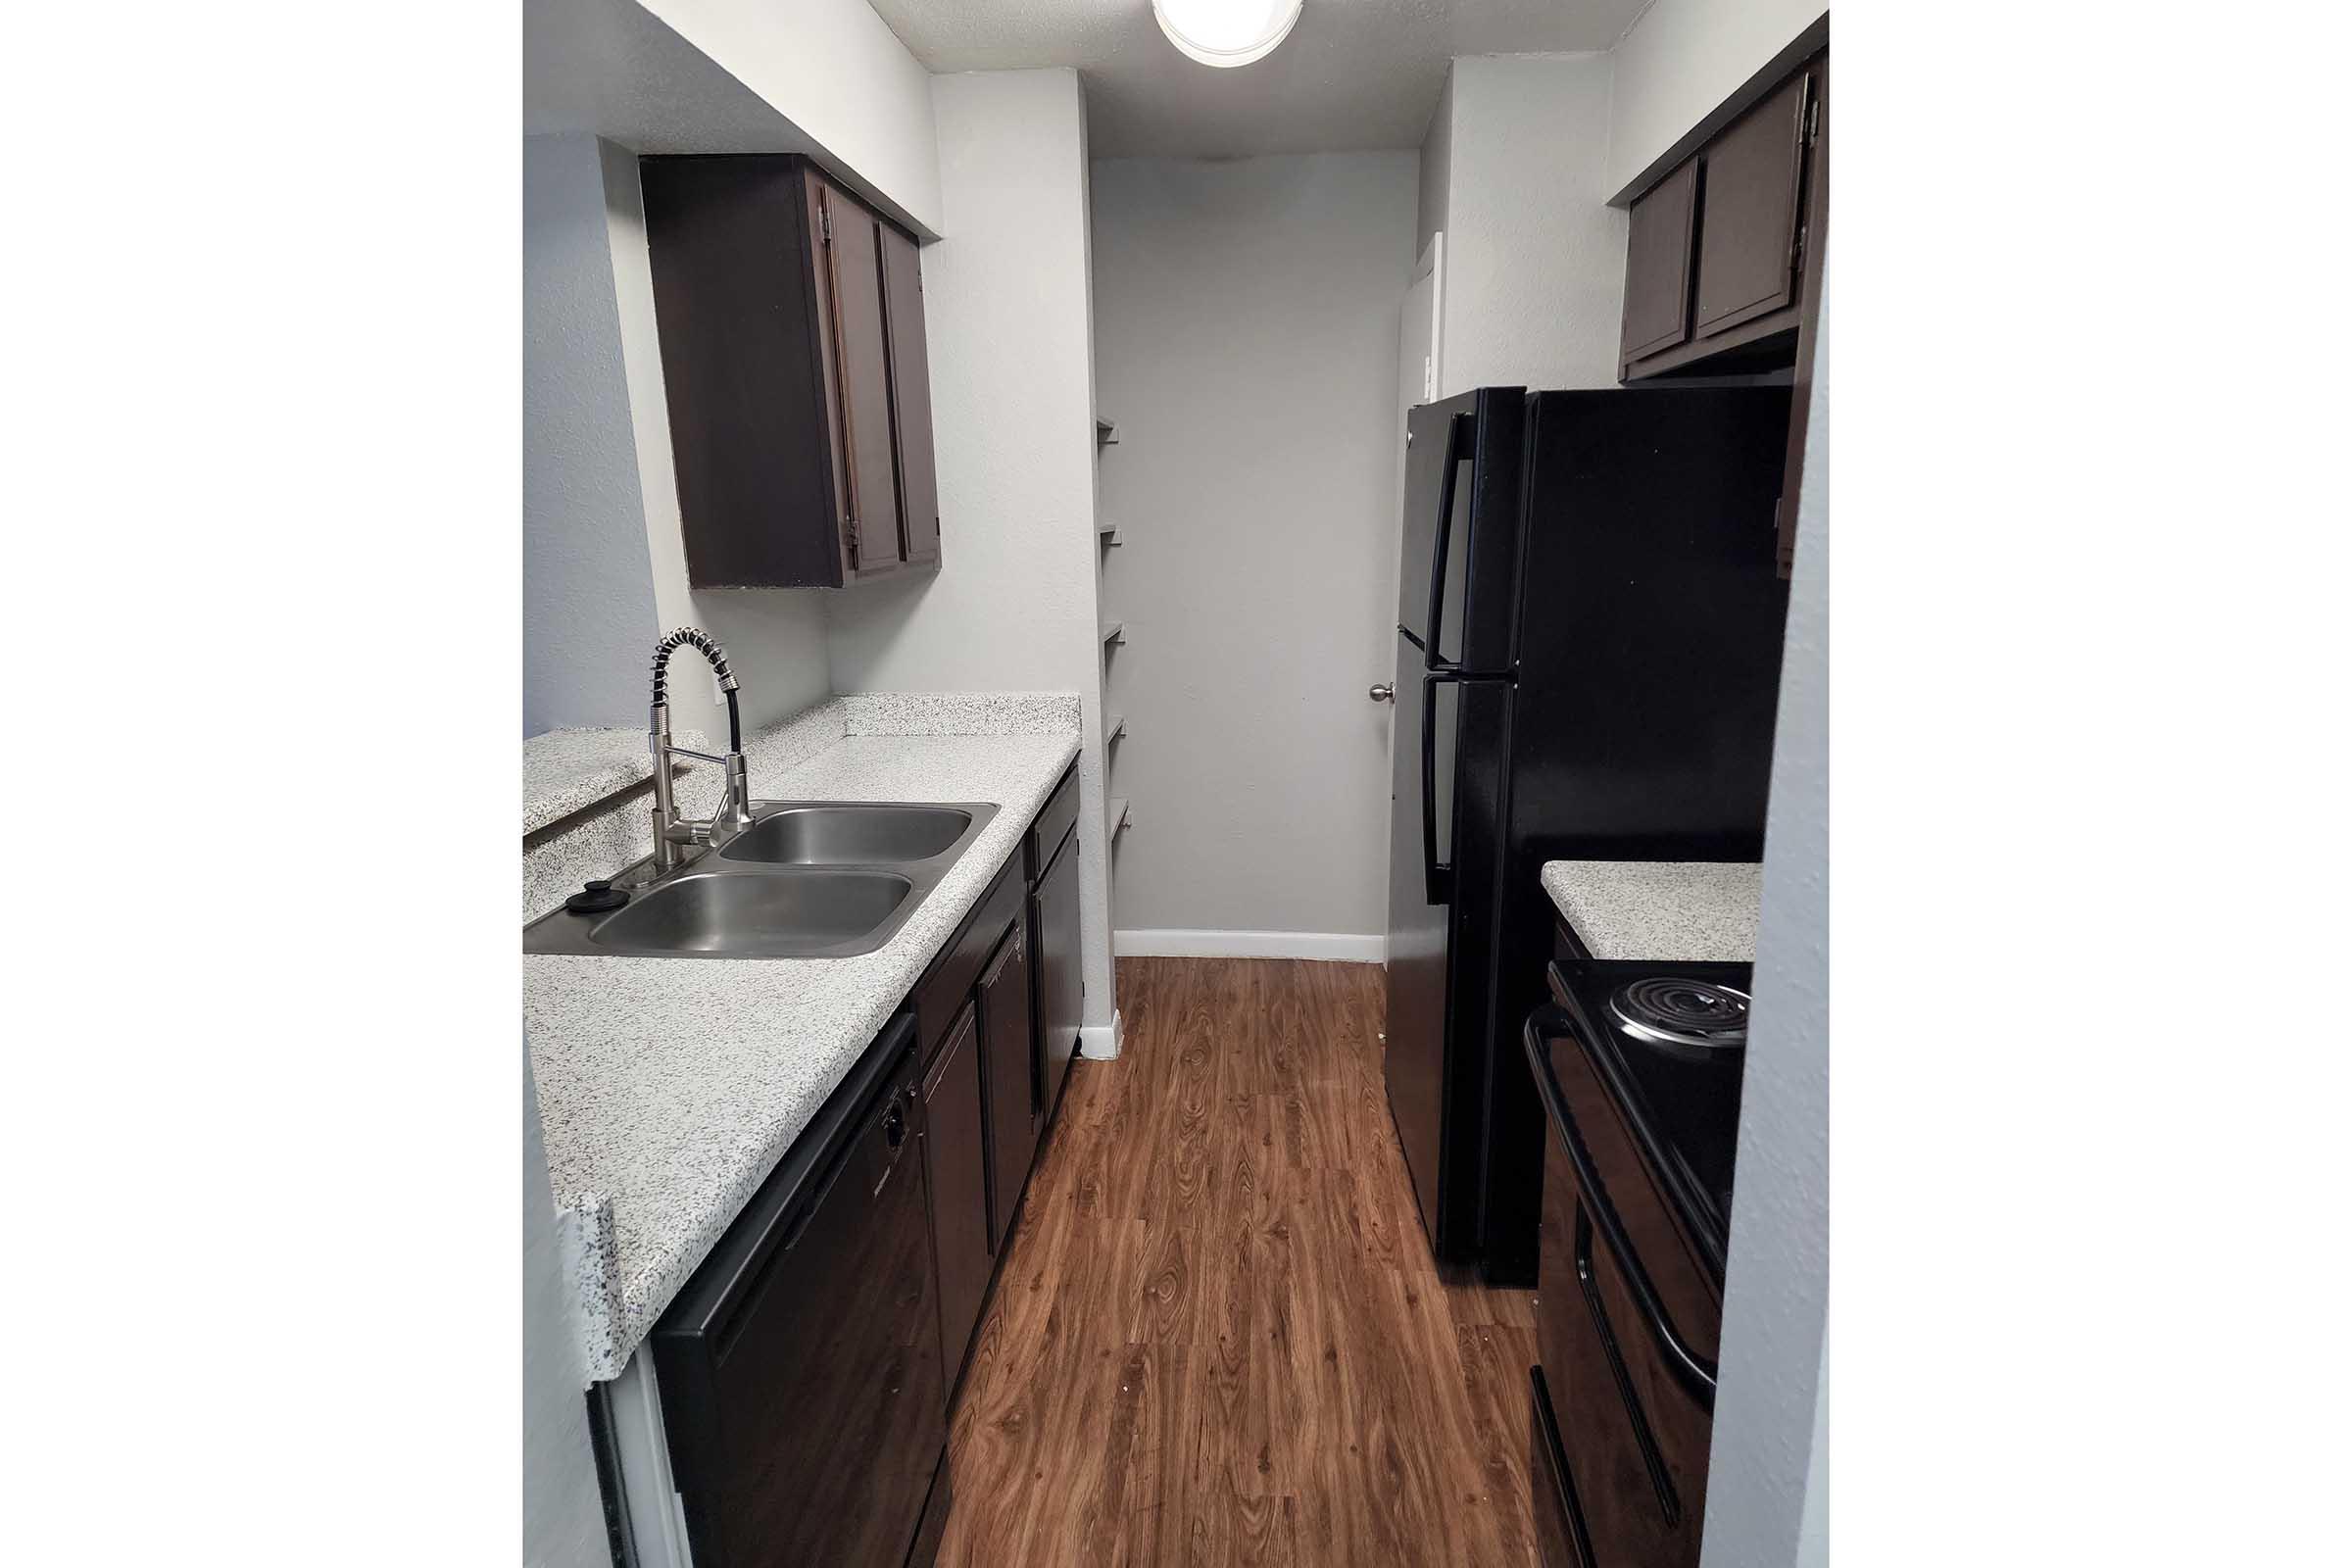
(837, 71)
(774, 637)
(1761, 1470)
(587, 591)
(1246, 319)
(1681, 60)
(843, 78)
(563, 1512)
(1013, 607)
(1535, 257)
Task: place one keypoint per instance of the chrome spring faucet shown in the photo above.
(734, 813)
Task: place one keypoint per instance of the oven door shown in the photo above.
(1634, 1401)
(1638, 1466)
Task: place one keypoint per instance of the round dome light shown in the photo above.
(1226, 32)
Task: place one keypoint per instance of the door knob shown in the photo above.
(1383, 693)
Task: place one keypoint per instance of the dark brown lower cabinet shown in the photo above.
(998, 1016)
(1060, 984)
(1007, 1046)
(816, 1352)
(956, 1158)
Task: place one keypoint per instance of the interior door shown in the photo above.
(1417, 338)
(1416, 366)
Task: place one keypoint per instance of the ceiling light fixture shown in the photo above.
(1226, 32)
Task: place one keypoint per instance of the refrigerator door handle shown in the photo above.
(1437, 877)
(1458, 439)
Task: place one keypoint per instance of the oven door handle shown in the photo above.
(1670, 1503)
(1693, 1370)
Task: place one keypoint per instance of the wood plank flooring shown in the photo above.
(1218, 1337)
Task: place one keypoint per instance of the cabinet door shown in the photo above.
(851, 238)
(910, 398)
(1060, 986)
(955, 1162)
(739, 295)
(1008, 1048)
(1748, 207)
(1657, 264)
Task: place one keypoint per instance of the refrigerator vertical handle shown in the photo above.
(1457, 441)
(1436, 876)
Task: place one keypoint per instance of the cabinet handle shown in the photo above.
(1383, 693)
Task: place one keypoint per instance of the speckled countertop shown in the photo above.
(566, 771)
(670, 1089)
(1700, 911)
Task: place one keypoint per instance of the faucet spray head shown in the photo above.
(700, 641)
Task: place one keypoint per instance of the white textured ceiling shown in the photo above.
(1353, 74)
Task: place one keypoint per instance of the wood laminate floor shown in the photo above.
(1219, 1337)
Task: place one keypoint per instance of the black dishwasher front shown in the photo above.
(799, 1372)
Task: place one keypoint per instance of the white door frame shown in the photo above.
(1431, 266)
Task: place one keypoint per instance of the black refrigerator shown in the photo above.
(1587, 668)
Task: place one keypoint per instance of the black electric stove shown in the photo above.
(1676, 1078)
(1639, 1066)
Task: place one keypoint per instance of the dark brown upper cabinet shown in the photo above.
(1720, 248)
(910, 399)
(1657, 264)
(792, 354)
(1749, 251)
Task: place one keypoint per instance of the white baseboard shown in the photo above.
(1331, 946)
(1100, 1042)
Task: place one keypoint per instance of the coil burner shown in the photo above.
(1693, 1018)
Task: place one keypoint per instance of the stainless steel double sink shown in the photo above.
(816, 879)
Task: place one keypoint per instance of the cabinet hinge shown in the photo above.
(1797, 251)
(1813, 122)
(856, 541)
(824, 223)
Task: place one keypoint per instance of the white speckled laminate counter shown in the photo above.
(566, 771)
(1699, 911)
(670, 1088)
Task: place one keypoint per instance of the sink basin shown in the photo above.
(799, 915)
(807, 880)
(850, 835)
